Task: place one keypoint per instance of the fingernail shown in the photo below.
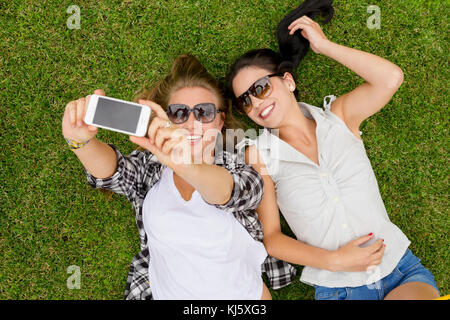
(79, 123)
(382, 239)
(73, 125)
(370, 234)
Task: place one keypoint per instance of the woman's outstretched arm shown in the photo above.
(170, 146)
(383, 78)
(97, 157)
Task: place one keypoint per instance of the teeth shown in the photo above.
(266, 111)
(193, 137)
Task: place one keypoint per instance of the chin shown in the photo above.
(272, 123)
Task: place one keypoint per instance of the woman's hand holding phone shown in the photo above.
(167, 142)
(73, 126)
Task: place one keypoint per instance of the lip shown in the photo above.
(194, 141)
(270, 112)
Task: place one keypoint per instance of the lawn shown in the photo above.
(52, 219)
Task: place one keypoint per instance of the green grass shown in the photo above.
(51, 219)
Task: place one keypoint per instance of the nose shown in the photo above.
(192, 124)
(256, 102)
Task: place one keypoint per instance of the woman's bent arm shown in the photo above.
(382, 77)
(347, 258)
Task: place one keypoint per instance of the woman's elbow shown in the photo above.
(396, 79)
(269, 244)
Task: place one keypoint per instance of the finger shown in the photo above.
(169, 145)
(99, 92)
(144, 143)
(302, 26)
(294, 29)
(80, 111)
(299, 20)
(154, 127)
(165, 134)
(309, 19)
(161, 135)
(71, 106)
(155, 107)
(361, 240)
(380, 253)
(376, 246)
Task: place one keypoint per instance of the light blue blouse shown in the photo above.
(330, 204)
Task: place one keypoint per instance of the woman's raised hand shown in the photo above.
(73, 126)
(167, 142)
(310, 30)
(352, 257)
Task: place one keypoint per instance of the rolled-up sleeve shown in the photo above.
(128, 176)
(248, 187)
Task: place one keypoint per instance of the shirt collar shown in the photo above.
(280, 149)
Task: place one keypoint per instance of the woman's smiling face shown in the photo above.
(200, 135)
(268, 112)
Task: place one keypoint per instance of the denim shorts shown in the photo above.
(409, 269)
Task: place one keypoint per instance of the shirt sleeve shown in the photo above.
(130, 174)
(248, 186)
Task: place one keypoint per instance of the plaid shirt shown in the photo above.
(138, 172)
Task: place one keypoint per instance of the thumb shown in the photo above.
(155, 107)
(99, 92)
(92, 128)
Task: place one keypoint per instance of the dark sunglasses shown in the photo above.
(261, 88)
(203, 112)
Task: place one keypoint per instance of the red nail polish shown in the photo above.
(370, 234)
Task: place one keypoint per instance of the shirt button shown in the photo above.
(336, 199)
(324, 174)
(344, 226)
(246, 192)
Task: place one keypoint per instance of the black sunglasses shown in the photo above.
(261, 88)
(203, 112)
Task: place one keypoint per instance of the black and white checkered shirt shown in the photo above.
(139, 171)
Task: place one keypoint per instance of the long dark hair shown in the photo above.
(292, 48)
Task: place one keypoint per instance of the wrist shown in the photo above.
(333, 261)
(75, 144)
(185, 169)
(323, 46)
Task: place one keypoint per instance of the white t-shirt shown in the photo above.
(197, 250)
(330, 204)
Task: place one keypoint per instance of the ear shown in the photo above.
(222, 120)
(288, 80)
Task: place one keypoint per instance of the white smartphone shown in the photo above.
(117, 115)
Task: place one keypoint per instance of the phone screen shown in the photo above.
(116, 114)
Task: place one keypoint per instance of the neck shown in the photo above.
(297, 127)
